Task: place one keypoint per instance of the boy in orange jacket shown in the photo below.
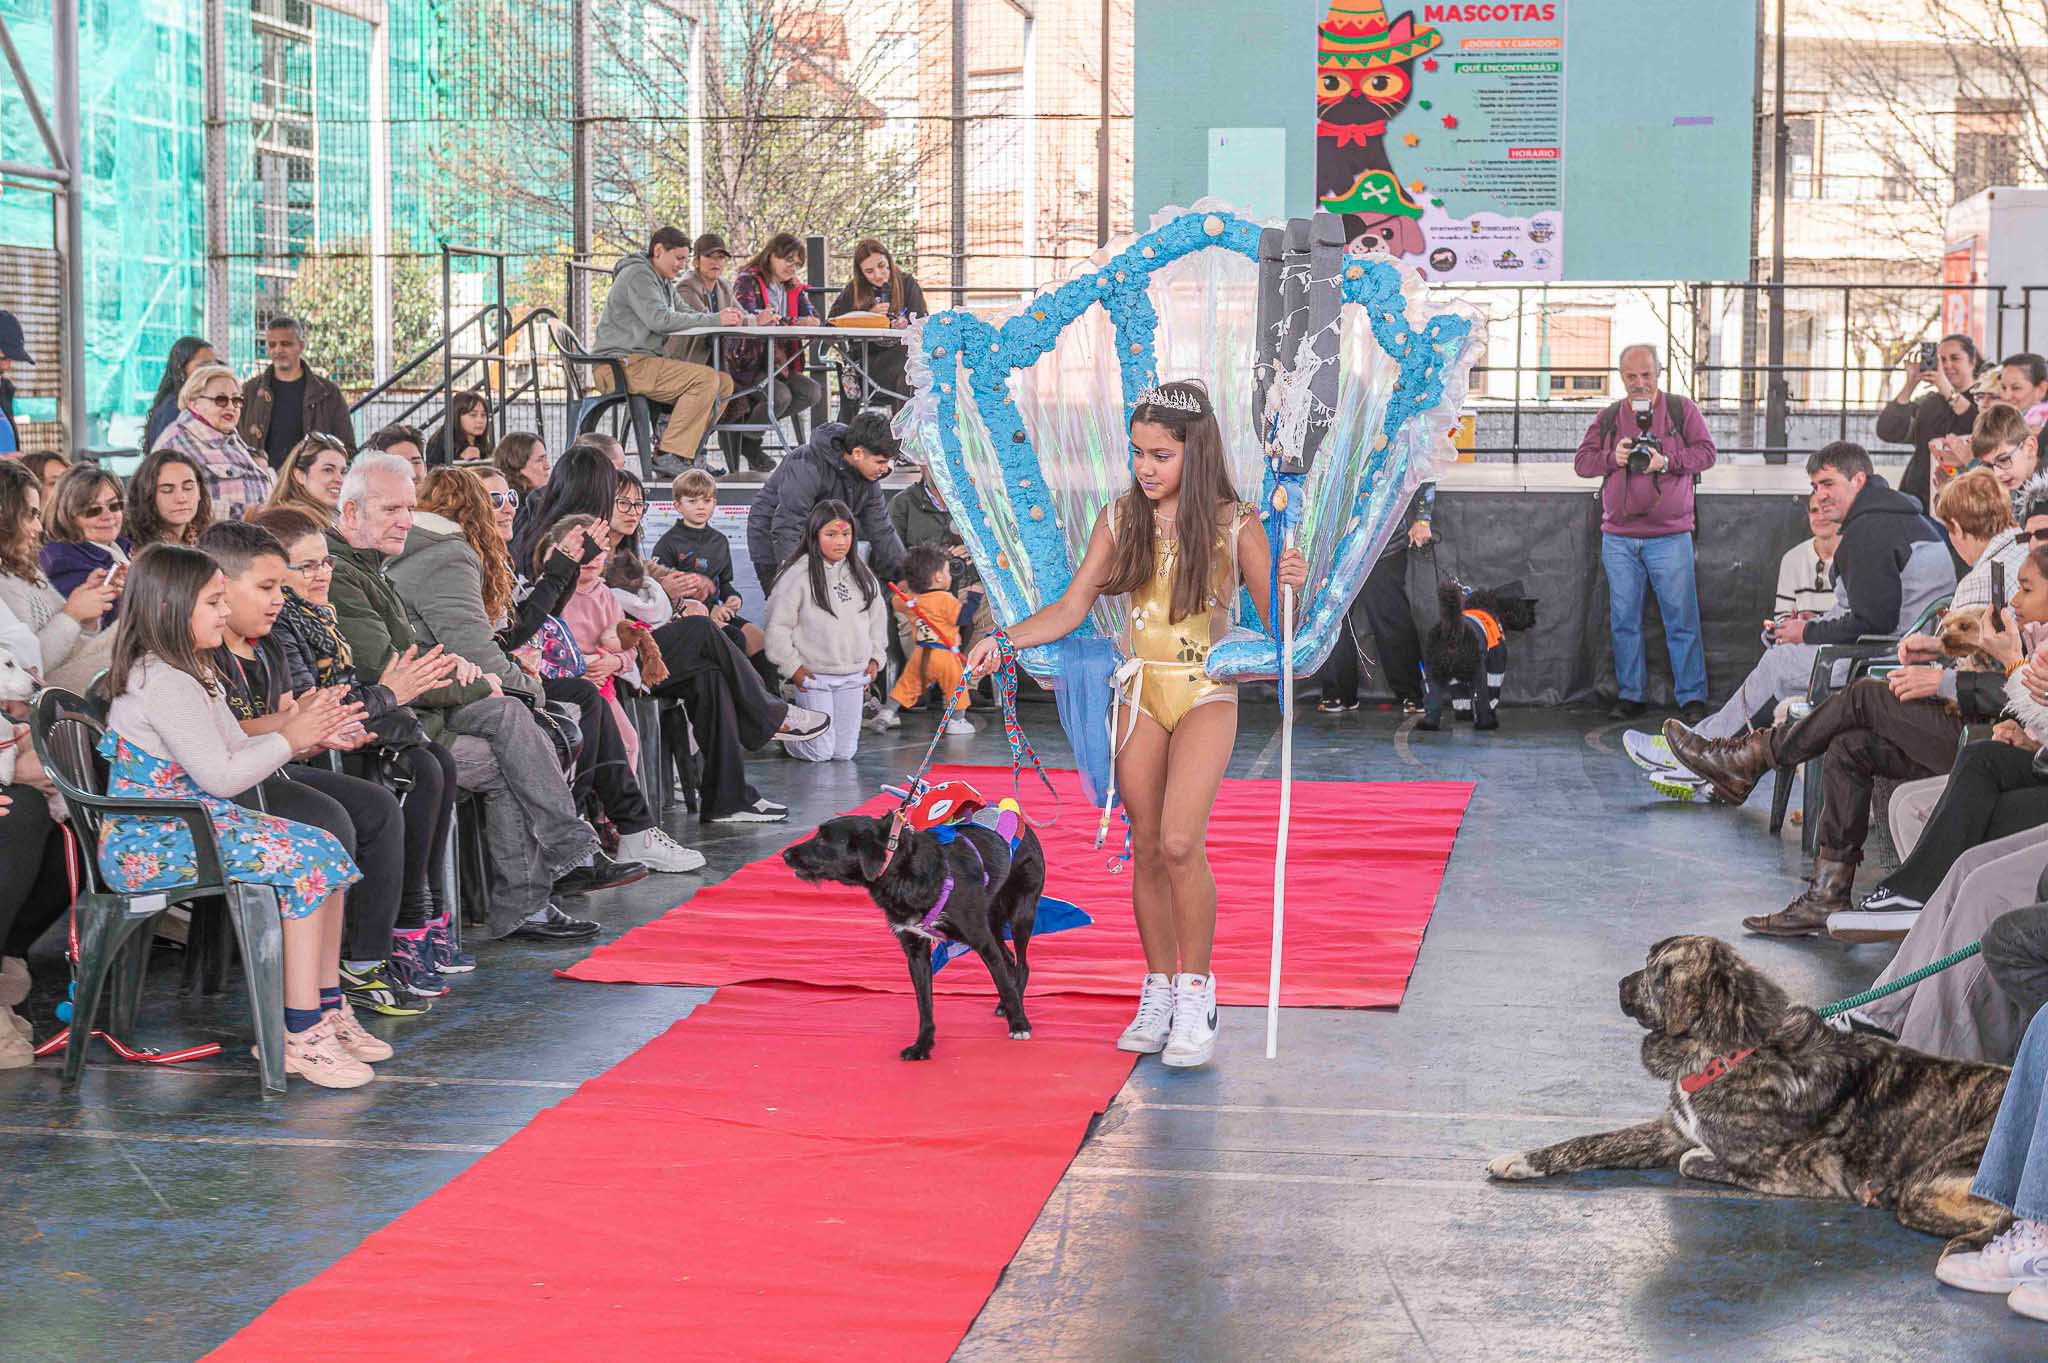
(931, 624)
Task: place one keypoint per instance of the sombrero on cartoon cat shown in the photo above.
(1364, 77)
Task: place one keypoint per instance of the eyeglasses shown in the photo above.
(501, 500)
(234, 401)
(626, 504)
(101, 509)
(312, 565)
(2001, 462)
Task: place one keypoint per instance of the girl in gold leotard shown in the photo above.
(1176, 546)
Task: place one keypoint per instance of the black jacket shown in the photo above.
(698, 550)
(1892, 564)
(816, 473)
(1914, 423)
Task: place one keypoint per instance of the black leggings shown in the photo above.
(1992, 793)
(602, 763)
(731, 711)
(364, 817)
(1383, 601)
(429, 813)
(35, 887)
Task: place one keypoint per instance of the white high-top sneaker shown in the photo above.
(2014, 1259)
(1193, 1038)
(1147, 1033)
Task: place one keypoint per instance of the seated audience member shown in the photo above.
(2015, 953)
(1888, 569)
(362, 816)
(35, 886)
(172, 734)
(470, 436)
(878, 286)
(731, 711)
(67, 627)
(237, 477)
(522, 457)
(459, 586)
(82, 532)
(1806, 572)
(404, 441)
(48, 466)
(531, 827)
(2023, 384)
(633, 581)
(640, 315)
(1949, 408)
(596, 622)
(828, 630)
(703, 288)
(2002, 442)
(606, 445)
(309, 480)
(931, 645)
(2014, 1174)
(187, 354)
(700, 562)
(316, 655)
(167, 501)
(288, 401)
(770, 289)
(844, 464)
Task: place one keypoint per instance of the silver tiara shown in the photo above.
(1171, 399)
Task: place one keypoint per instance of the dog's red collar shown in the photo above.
(1714, 1069)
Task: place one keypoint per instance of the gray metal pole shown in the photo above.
(959, 152)
(1776, 439)
(216, 176)
(1102, 137)
(64, 59)
(577, 304)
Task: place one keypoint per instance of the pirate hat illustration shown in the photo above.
(1355, 36)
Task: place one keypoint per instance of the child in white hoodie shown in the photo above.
(828, 630)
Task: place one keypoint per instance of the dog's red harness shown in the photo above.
(1714, 1069)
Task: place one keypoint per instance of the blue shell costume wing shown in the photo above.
(1022, 425)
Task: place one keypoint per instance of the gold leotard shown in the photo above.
(1165, 672)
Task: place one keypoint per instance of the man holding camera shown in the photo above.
(1646, 450)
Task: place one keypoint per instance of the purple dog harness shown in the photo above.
(1004, 823)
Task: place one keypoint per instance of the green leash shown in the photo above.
(1905, 981)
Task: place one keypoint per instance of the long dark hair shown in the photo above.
(18, 559)
(145, 526)
(164, 583)
(864, 292)
(583, 483)
(175, 365)
(781, 246)
(448, 442)
(1205, 490)
(822, 515)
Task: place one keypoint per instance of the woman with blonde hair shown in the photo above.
(210, 406)
(309, 479)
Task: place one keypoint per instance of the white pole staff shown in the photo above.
(1286, 804)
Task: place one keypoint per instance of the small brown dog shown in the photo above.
(637, 639)
(1963, 634)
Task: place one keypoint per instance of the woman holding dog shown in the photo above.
(1178, 544)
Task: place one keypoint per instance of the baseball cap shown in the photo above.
(11, 342)
(710, 244)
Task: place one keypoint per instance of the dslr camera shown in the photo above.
(1640, 452)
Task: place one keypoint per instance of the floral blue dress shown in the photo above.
(139, 854)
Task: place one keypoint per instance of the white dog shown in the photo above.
(15, 685)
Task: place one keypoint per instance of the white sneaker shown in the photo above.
(1193, 1039)
(2015, 1259)
(357, 1040)
(1147, 1033)
(657, 851)
(1650, 752)
(886, 719)
(2030, 1299)
(1681, 786)
(1872, 925)
(959, 726)
(318, 1055)
(800, 724)
(761, 811)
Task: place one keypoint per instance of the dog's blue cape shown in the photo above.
(1054, 915)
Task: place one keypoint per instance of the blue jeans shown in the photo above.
(1664, 562)
(2014, 1171)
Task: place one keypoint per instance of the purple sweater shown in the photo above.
(1646, 504)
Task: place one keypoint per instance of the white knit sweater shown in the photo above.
(801, 633)
(168, 714)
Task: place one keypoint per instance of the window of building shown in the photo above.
(1580, 360)
(995, 130)
(1987, 145)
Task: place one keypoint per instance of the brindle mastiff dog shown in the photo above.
(1766, 1096)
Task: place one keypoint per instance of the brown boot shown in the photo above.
(1807, 916)
(1732, 766)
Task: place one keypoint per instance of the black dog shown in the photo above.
(1467, 652)
(966, 890)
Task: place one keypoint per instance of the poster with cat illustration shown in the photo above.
(1440, 134)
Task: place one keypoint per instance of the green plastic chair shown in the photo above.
(114, 929)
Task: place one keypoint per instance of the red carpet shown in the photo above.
(766, 1181)
(763, 1182)
(1363, 868)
